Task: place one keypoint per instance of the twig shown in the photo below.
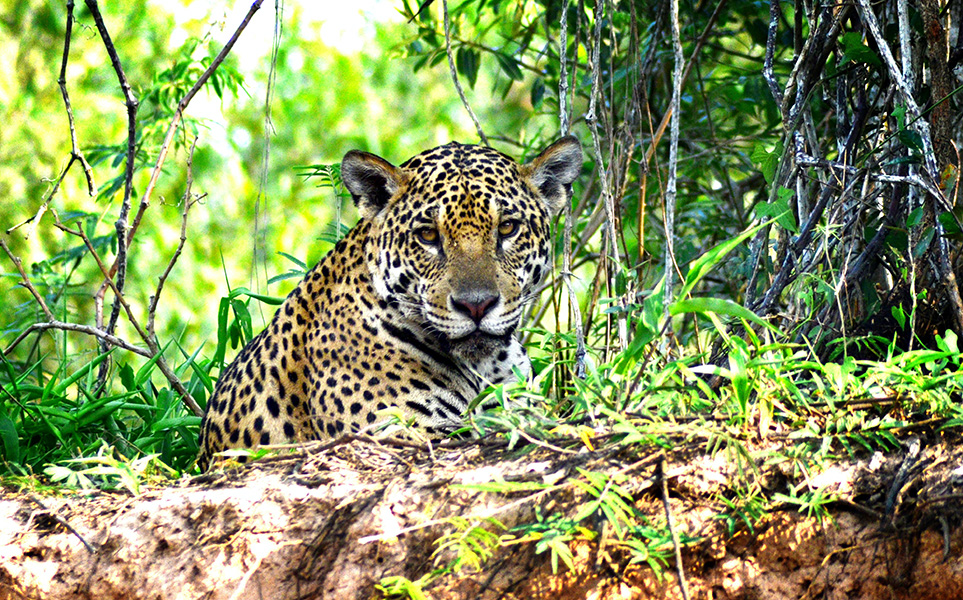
(563, 117)
(113, 286)
(914, 117)
(592, 119)
(767, 72)
(26, 280)
(703, 38)
(152, 345)
(179, 113)
(575, 314)
(668, 213)
(75, 153)
(121, 224)
(87, 329)
(62, 521)
(126, 234)
(188, 202)
(906, 94)
(680, 571)
(454, 75)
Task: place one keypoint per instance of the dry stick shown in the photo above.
(703, 38)
(152, 346)
(575, 314)
(188, 202)
(579, 11)
(120, 263)
(121, 224)
(454, 75)
(668, 213)
(62, 521)
(111, 340)
(792, 119)
(767, 70)
(52, 322)
(179, 113)
(680, 571)
(912, 109)
(26, 281)
(563, 118)
(929, 156)
(75, 153)
(592, 119)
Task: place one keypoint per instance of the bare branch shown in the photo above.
(767, 72)
(592, 119)
(563, 117)
(668, 213)
(26, 280)
(110, 340)
(75, 153)
(150, 340)
(187, 201)
(179, 113)
(120, 265)
(703, 38)
(906, 94)
(454, 75)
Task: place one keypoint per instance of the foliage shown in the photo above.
(781, 281)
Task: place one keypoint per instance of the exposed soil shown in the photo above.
(331, 523)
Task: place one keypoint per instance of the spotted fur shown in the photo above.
(416, 308)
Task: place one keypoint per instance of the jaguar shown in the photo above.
(415, 309)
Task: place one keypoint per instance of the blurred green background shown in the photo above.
(342, 81)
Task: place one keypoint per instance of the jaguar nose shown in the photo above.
(475, 305)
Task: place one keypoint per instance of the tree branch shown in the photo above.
(454, 75)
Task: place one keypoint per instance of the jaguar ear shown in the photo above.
(371, 180)
(553, 171)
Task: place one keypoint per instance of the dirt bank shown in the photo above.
(334, 523)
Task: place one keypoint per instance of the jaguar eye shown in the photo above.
(507, 229)
(427, 235)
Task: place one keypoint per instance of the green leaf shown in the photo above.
(767, 160)
(924, 242)
(911, 139)
(509, 65)
(701, 266)
(719, 306)
(899, 113)
(467, 62)
(10, 440)
(243, 320)
(127, 377)
(79, 374)
(914, 218)
(854, 50)
(538, 92)
(270, 300)
(950, 223)
(779, 210)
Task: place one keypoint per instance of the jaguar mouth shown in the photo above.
(477, 344)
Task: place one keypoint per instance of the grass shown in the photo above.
(57, 428)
